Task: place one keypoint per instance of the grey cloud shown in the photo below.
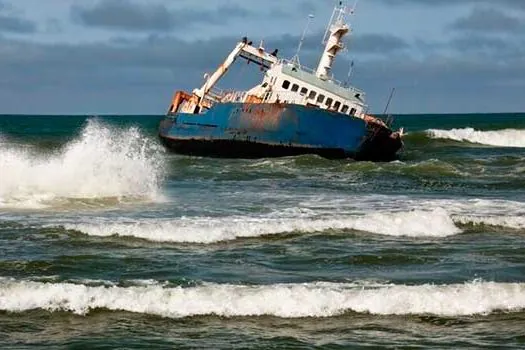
(16, 25)
(378, 44)
(489, 20)
(479, 43)
(139, 76)
(125, 15)
(10, 22)
(444, 84)
(121, 76)
(133, 16)
(381, 44)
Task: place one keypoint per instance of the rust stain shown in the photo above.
(262, 116)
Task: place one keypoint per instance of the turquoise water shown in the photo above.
(108, 241)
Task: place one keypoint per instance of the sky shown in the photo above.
(129, 56)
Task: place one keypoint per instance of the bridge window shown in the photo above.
(328, 102)
(286, 84)
(304, 91)
(295, 87)
(352, 111)
(320, 98)
(337, 104)
(312, 95)
(344, 109)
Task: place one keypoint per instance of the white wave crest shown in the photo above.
(102, 163)
(502, 138)
(282, 300)
(417, 223)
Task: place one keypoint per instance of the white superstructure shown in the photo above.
(285, 81)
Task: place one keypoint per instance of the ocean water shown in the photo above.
(109, 241)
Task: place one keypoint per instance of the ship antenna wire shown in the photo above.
(295, 58)
(389, 118)
(350, 72)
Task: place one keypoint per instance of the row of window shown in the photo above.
(320, 98)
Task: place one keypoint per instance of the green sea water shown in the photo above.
(109, 241)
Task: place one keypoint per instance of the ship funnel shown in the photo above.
(333, 40)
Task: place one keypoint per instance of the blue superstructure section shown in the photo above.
(294, 129)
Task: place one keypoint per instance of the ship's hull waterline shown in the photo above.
(245, 130)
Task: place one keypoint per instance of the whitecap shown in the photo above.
(415, 223)
(281, 300)
(502, 138)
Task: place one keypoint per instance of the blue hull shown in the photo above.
(243, 130)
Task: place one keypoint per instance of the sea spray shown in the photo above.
(102, 162)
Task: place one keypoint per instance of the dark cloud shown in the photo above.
(133, 16)
(16, 25)
(481, 44)
(378, 44)
(118, 77)
(123, 14)
(359, 44)
(489, 21)
(10, 22)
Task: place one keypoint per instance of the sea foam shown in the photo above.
(102, 162)
(415, 223)
(282, 300)
(502, 138)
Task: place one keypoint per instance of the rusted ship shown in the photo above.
(294, 110)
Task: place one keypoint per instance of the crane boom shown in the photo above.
(243, 50)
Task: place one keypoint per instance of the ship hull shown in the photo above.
(243, 130)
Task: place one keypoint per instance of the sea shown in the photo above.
(109, 241)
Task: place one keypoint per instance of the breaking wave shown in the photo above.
(102, 163)
(416, 223)
(282, 300)
(501, 138)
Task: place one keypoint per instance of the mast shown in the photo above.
(333, 38)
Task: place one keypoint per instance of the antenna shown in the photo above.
(350, 72)
(389, 99)
(389, 118)
(355, 6)
(295, 58)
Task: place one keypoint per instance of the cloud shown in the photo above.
(139, 76)
(128, 15)
(489, 20)
(12, 23)
(378, 43)
(16, 25)
(481, 44)
(370, 43)
(122, 14)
